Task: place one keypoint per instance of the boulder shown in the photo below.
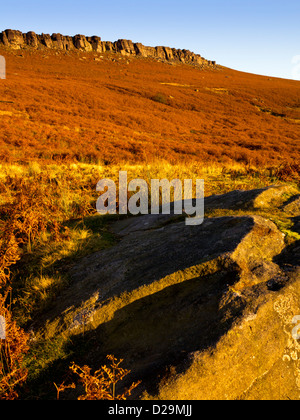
(96, 43)
(68, 43)
(108, 46)
(45, 39)
(263, 198)
(161, 294)
(126, 46)
(293, 206)
(140, 49)
(215, 302)
(144, 256)
(15, 38)
(32, 39)
(58, 41)
(168, 53)
(3, 39)
(80, 42)
(160, 53)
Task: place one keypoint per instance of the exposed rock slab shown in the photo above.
(263, 198)
(253, 199)
(214, 301)
(239, 243)
(293, 206)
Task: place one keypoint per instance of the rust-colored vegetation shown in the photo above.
(14, 346)
(102, 384)
(70, 107)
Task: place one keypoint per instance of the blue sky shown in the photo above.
(257, 36)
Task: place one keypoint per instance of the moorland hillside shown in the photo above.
(202, 312)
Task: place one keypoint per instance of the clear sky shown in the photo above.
(257, 36)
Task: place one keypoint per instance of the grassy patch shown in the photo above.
(44, 275)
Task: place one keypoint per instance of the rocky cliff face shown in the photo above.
(18, 40)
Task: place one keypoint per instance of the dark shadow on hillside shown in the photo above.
(182, 316)
(142, 258)
(234, 200)
(296, 227)
(154, 333)
(163, 329)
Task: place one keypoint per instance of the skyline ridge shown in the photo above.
(18, 40)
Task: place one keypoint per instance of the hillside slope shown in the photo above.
(202, 312)
(97, 107)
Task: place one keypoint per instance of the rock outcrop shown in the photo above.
(215, 301)
(18, 40)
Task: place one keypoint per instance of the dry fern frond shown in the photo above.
(101, 385)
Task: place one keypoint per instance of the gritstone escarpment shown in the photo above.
(18, 40)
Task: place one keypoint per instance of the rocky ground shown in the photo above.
(200, 312)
